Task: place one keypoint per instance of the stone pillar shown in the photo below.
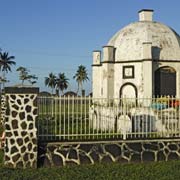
(2, 109)
(96, 72)
(147, 69)
(108, 71)
(108, 80)
(96, 57)
(20, 128)
(108, 53)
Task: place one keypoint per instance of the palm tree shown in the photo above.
(5, 63)
(50, 81)
(61, 82)
(81, 76)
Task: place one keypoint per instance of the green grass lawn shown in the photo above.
(109, 171)
(112, 171)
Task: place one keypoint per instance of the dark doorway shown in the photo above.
(165, 81)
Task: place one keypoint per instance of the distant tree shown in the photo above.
(25, 76)
(32, 79)
(81, 76)
(61, 82)
(6, 62)
(2, 81)
(50, 81)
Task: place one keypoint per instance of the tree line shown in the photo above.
(58, 83)
(61, 82)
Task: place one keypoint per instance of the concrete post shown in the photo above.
(20, 128)
(147, 69)
(96, 57)
(96, 72)
(108, 53)
(108, 71)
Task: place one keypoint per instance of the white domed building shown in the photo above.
(140, 60)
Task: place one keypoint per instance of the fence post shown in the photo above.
(124, 114)
(20, 128)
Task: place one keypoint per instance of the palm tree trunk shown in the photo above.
(4, 75)
(77, 89)
(0, 88)
(52, 91)
(57, 92)
(81, 87)
(62, 92)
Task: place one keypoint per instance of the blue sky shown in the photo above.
(59, 35)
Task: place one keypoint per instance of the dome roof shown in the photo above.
(129, 41)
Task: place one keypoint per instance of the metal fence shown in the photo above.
(86, 118)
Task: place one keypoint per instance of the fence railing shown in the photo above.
(86, 118)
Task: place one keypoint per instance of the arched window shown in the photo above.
(165, 81)
(129, 90)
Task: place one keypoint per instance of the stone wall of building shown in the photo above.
(20, 129)
(61, 154)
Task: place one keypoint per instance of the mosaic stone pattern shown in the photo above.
(54, 154)
(3, 109)
(20, 131)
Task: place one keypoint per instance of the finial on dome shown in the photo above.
(146, 15)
